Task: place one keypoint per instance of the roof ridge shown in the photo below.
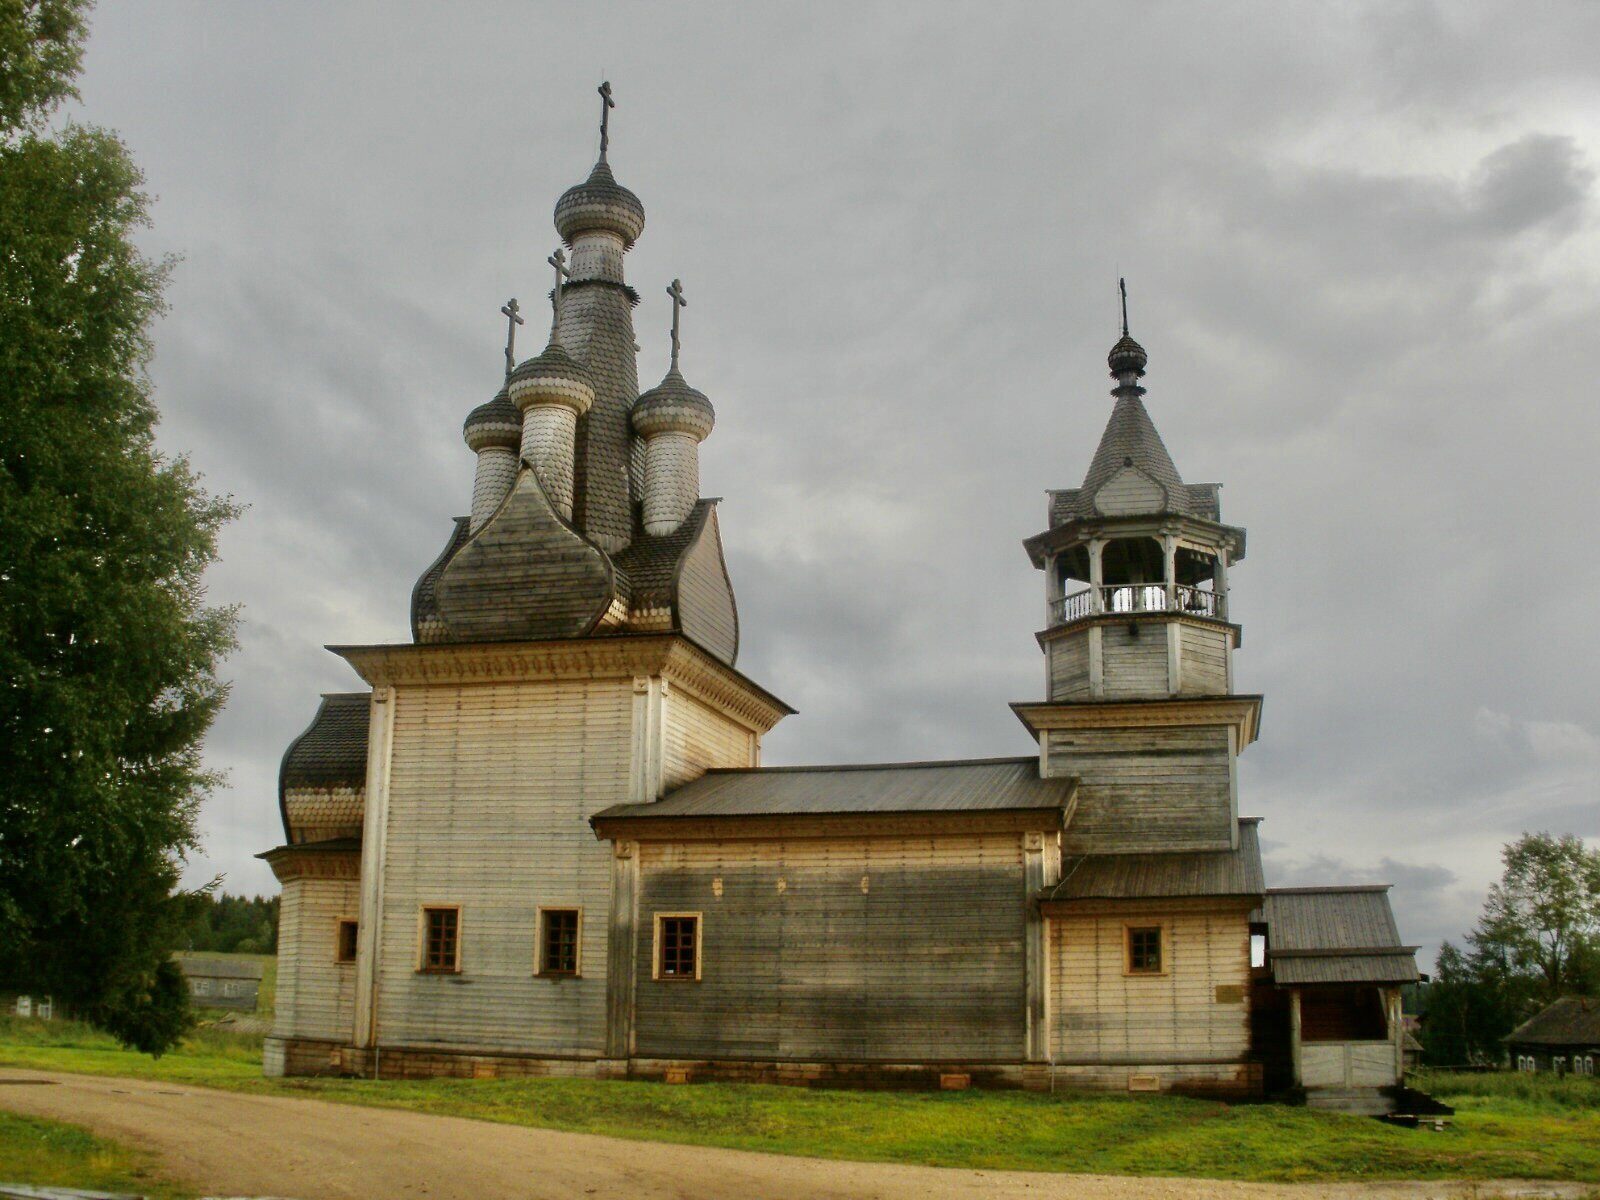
(1328, 887)
(880, 766)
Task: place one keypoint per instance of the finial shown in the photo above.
(511, 310)
(1122, 286)
(678, 304)
(1127, 358)
(558, 260)
(606, 105)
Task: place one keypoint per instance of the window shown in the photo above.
(677, 946)
(24, 1006)
(1258, 949)
(559, 936)
(344, 944)
(441, 940)
(1144, 950)
(200, 987)
(45, 1009)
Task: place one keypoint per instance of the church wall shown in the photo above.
(316, 994)
(894, 948)
(696, 737)
(1135, 663)
(1189, 1025)
(1203, 651)
(1069, 667)
(1148, 788)
(491, 787)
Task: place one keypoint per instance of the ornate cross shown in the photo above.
(558, 260)
(1122, 286)
(511, 309)
(606, 105)
(678, 305)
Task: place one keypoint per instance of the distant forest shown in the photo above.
(232, 924)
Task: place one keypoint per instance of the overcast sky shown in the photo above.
(1363, 252)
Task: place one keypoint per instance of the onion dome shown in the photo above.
(554, 377)
(672, 406)
(600, 203)
(1127, 357)
(497, 423)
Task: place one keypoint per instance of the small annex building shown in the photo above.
(1563, 1037)
(215, 982)
(538, 838)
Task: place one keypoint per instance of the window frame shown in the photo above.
(423, 966)
(338, 940)
(1163, 949)
(656, 972)
(539, 967)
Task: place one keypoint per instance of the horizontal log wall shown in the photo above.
(1203, 658)
(1135, 659)
(1069, 666)
(696, 736)
(316, 994)
(1109, 1025)
(901, 948)
(491, 788)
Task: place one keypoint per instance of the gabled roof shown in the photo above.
(1570, 1021)
(971, 785)
(1335, 935)
(1165, 876)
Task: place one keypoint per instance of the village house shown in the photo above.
(230, 983)
(539, 839)
(1563, 1037)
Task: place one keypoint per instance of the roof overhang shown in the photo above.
(1196, 530)
(339, 858)
(1045, 636)
(1088, 906)
(1241, 712)
(645, 827)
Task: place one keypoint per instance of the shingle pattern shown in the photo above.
(973, 785)
(495, 423)
(599, 202)
(332, 752)
(1335, 935)
(597, 330)
(1570, 1021)
(652, 564)
(1130, 439)
(1164, 876)
(426, 625)
(672, 406)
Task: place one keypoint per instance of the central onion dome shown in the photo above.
(672, 406)
(1127, 357)
(497, 423)
(600, 204)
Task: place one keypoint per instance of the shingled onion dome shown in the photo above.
(673, 419)
(551, 391)
(599, 205)
(492, 431)
(1127, 357)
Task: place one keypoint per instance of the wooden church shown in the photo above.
(540, 839)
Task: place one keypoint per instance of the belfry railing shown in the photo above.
(1139, 598)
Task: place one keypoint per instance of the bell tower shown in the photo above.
(1138, 642)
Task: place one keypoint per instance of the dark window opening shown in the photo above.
(680, 938)
(1144, 950)
(345, 944)
(441, 943)
(558, 941)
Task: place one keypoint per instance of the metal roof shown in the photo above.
(1148, 876)
(1335, 935)
(1570, 1021)
(970, 785)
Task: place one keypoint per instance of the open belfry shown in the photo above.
(540, 841)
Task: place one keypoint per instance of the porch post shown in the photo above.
(1096, 549)
(1169, 555)
(1219, 582)
(1294, 1033)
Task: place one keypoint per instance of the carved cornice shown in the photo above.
(617, 656)
(313, 861)
(1079, 624)
(1242, 712)
(1195, 532)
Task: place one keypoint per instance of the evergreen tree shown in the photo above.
(108, 652)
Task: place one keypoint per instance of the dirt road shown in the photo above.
(231, 1144)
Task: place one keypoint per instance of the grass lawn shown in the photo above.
(1506, 1126)
(50, 1154)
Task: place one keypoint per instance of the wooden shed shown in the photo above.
(231, 983)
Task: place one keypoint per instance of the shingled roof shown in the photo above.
(1335, 935)
(968, 785)
(1211, 873)
(1570, 1021)
(331, 753)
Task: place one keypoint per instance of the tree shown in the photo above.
(108, 652)
(1541, 921)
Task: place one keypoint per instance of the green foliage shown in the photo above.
(52, 1154)
(107, 650)
(233, 925)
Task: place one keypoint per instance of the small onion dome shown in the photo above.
(1127, 357)
(554, 377)
(497, 423)
(672, 406)
(599, 202)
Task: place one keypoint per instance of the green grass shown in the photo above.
(1506, 1127)
(51, 1154)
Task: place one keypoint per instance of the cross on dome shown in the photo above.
(558, 260)
(678, 304)
(606, 105)
(511, 309)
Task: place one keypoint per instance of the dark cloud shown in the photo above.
(1363, 252)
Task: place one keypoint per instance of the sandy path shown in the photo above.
(315, 1150)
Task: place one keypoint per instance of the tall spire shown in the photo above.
(606, 105)
(1122, 286)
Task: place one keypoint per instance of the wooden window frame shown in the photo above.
(699, 943)
(1164, 945)
(422, 939)
(538, 942)
(338, 940)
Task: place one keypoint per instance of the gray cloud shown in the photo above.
(1363, 252)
